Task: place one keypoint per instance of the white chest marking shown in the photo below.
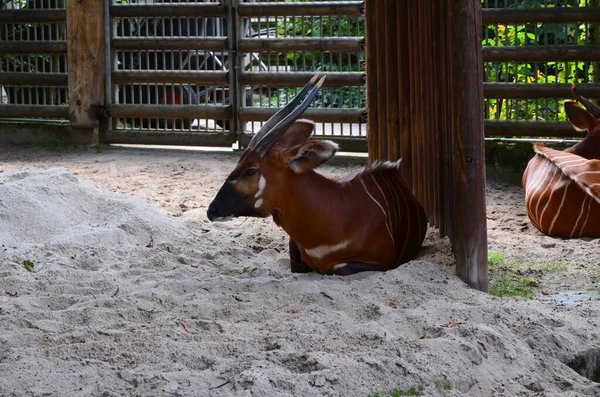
(262, 182)
(322, 250)
(258, 203)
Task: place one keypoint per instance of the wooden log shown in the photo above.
(537, 91)
(171, 111)
(404, 82)
(46, 111)
(169, 77)
(380, 65)
(33, 16)
(86, 65)
(303, 44)
(335, 115)
(391, 78)
(33, 47)
(346, 144)
(304, 9)
(299, 79)
(514, 16)
(181, 138)
(169, 43)
(371, 67)
(469, 239)
(546, 129)
(444, 145)
(173, 10)
(545, 53)
(15, 79)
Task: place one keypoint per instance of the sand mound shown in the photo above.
(124, 300)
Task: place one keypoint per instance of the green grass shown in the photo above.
(495, 259)
(506, 280)
(29, 265)
(397, 392)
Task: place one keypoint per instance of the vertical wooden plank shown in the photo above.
(392, 71)
(469, 240)
(381, 83)
(86, 65)
(412, 60)
(371, 67)
(404, 81)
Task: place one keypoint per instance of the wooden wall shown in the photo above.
(425, 105)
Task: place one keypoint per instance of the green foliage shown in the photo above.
(495, 259)
(29, 265)
(532, 35)
(513, 285)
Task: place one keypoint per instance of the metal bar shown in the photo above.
(315, 114)
(33, 16)
(299, 44)
(526, 90)
(169, 77)
(170, 111)
(169, 43)
(34, 47)
(298, 79)
(196, 10)
(540, 15)
(34, 111)
(307, 9)
(33, 79)
(544, 53)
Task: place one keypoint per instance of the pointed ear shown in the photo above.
(298, 133)
(580, 118)
(309, 155)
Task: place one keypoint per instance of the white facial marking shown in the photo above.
(262, 182)
(339, 266)
(323, 250)
(223, 218)
(258, 203)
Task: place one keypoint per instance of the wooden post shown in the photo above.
(85, 51)
(371, 53)
(469, 240)
(391, 78)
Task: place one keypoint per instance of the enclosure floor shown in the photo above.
(134, 292)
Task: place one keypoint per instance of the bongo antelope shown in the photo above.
(562, 188)
(367, 220)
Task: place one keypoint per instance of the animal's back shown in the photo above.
(405, 217)
(561, 194)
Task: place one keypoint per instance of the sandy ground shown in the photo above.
(134, 292)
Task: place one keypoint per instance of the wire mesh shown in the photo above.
(274, 96)
(21, 61)
(536, 36)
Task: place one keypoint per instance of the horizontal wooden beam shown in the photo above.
(541, 53)
(299, 79)
(188, 112)
(179, 138)
(305, 9)
(512, 16)
(346, 144)
(196, 10)
(31, 111)
(34, 47)
(318, 115)
(33, 16)
(169, 43)
(536, 91)
(169, 77)
(15, 79)
(546, 129)
(308, 44)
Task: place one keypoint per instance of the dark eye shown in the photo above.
(251, 171)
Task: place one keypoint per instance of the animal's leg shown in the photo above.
(345, 269)
(298, 266)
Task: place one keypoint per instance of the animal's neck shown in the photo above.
(588, 148)
(312, 208)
